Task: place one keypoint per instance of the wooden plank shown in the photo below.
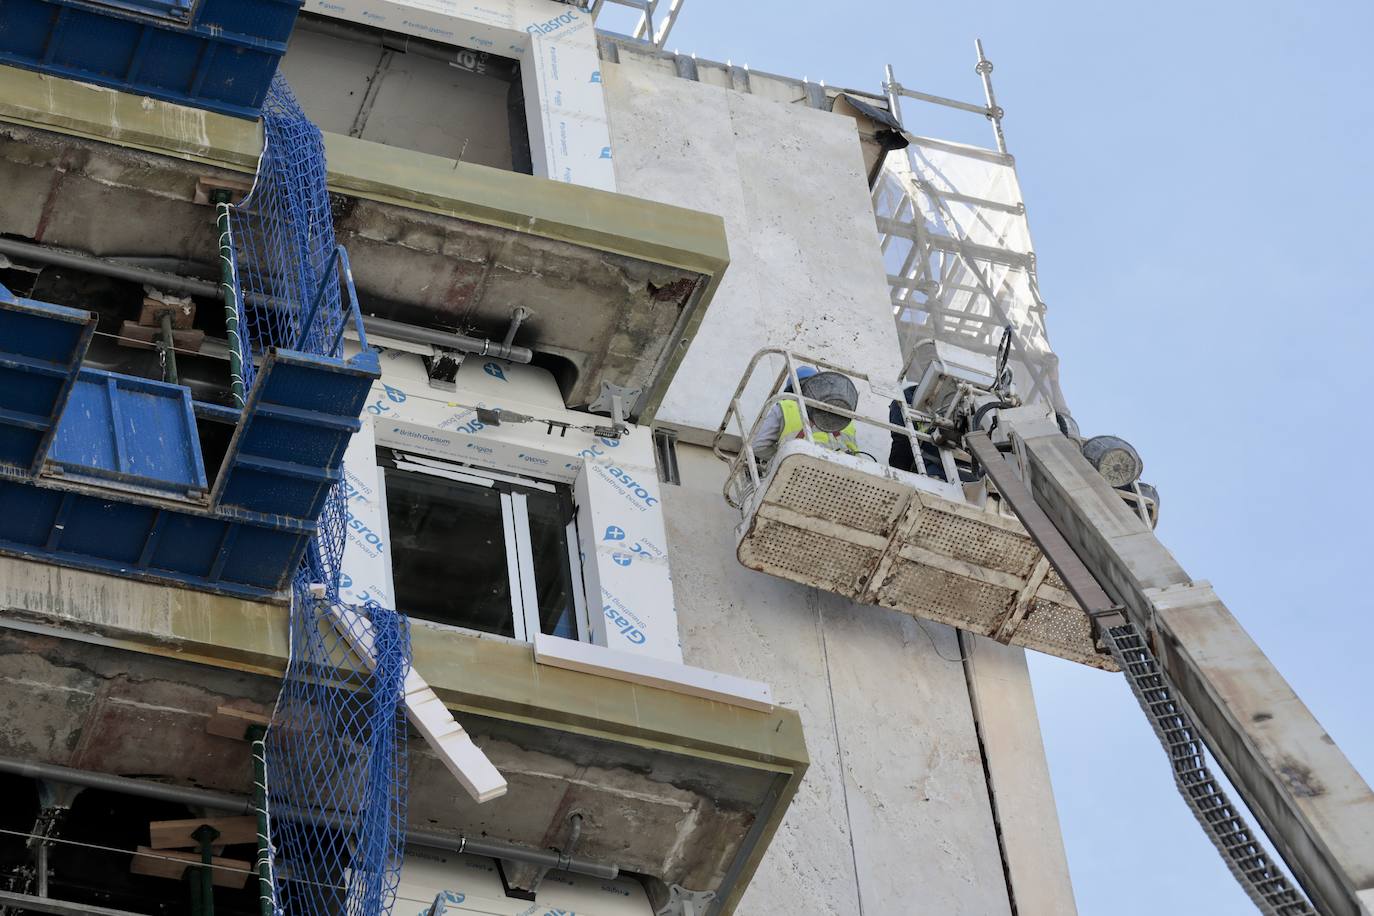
(138, 337)
(454, 747)
(232, 722)
(182, 316)
(160, 863)
(177, 834)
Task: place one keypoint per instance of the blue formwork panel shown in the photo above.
(103, 471)
(288, 450)
(41, 347)
(235, 556)
(130, 432)
(214, 54)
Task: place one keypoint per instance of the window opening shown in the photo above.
(482, 549)
(449, 555)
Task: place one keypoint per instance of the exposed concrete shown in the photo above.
(121, 676)
(894, 816)
(109, 710)
(1019, 773)
(615, 284)
(789, 181)
(404, 100)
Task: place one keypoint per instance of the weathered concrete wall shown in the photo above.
(1020, 778)
(805, 270)
(893, 816)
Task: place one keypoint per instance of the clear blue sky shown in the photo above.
(1198, 181)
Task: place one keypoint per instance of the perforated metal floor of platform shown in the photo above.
(881, 536)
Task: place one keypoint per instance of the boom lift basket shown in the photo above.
(854, 526)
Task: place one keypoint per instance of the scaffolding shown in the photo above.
(956, 244)
(650, 28)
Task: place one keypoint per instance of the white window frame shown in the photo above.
(515, 521)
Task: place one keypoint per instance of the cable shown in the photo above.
(508, 416)
(934, 645)
(150, 344)
(153, 855)
(126, 852)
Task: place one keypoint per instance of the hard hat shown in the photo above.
(803, 373)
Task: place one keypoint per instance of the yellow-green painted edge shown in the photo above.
(611, 222)
(486, 676)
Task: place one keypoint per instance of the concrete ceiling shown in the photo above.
(596, 314)
(678, 819)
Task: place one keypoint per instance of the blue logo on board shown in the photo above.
(494, 371)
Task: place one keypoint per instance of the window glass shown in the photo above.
(448, 551)
(549, 515)
(459, 536)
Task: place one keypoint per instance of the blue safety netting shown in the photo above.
(283, 238)
(336, 764)
(336, 746)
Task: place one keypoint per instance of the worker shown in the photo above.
(784, 421)
(901, 457)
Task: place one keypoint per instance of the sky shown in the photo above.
(1198, 181)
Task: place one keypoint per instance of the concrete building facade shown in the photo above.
(597, 237)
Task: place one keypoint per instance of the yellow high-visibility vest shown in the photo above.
(792, 429)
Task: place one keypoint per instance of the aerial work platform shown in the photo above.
(877, 535)
(947, 552)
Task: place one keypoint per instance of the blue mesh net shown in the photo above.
(283, 237)
(336, 746)
(336, 764)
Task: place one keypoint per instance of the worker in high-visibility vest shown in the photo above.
(784, 421)
(901, 457)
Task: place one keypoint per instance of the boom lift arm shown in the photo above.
(1197, 674)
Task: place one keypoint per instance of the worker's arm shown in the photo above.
(765, 441)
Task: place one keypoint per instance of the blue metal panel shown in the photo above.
(105, 534)
(41, 347)
(105, 529)
(218, 54)
(27, 513)
(288, 450)
(130, 431)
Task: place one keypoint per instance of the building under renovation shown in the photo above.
(456, 459)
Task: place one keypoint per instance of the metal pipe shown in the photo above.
(92, 264)
(564, 855)
(496, 850)
(984, 70)
(229, 290)
(382, 327)
(206, 835)
(517, 318)
(42, 866)
(385, 327)
(168, 353)
(237, 804)
(27, 903)
(204, 798)
(264, 863)
(891, 88)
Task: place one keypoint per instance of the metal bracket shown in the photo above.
(442, 368)
(682, 902)
(612, 400)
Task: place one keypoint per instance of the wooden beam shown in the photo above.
(232, 722)
(177, 834)
(138, 336)
(160, 863)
